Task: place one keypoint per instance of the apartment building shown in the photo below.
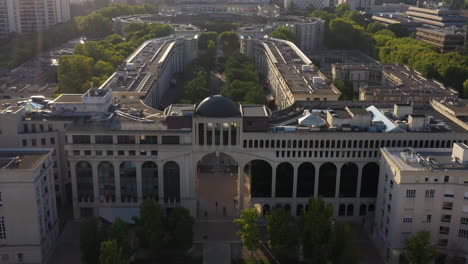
(436, 16)
(423, 189)
(29, 16)
(446, 39)
(28, 214)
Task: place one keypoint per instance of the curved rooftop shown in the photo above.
(217, 106)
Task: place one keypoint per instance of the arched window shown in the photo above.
(305, 180)
(327, 180)
(84, 181)
(284, 180)
(149, 180)
(287, 208)
(171, 173)
(106, 180)
(348, 180)
(342, 210)
(299, 210)
(260, 173)
(350, 210)
(266, 210)
(362, 210)
(370, 180)
(128, 186)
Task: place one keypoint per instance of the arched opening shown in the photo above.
(287, 208)
(362, 210)
(305, 180)
(106, 180)
(217, 188)
(348, 180)
(284, 180)
(299, 210)
(260, 174)
(370, 180)
(350, 210)
(342, 210)
(327, 180)
(171, 172)
(128, 190)
(84, 181)
(266, 210)
(149, 180)
(371, 208)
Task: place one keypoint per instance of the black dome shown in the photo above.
(217, 106)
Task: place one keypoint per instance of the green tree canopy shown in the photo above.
(75, 74)
(418, 248)
(399, 30)
(356, 17)
(205, 37)
(375, 27)
(196, 89)
(344, 34)
(240, 68)
(284, 33)
(111, 253)
(179, 225)
(150, 226)
(246, 92)
(465, 89)
(280, 233)
(91, 237)
(343, 248)
(248, 229)
(342, 8)
(229, 43)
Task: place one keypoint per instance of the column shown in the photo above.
(240, 169)
(338, 178)
(139, 182)
(117, 180)
(294, 193)
(316, 184)
(273, 181)
(76, 209)
(161, 181)
(205, 127)
(229, 134)
(359, 180)
(94, 166)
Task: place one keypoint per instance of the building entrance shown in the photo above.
(217, 186)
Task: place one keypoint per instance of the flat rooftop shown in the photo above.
(69, 98)
(409, 159)
(21, 160)
(254, 111)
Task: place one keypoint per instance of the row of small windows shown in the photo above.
(105, 139)
(111, 153)
(34, 142)
(326, 154)
(260, 143)
(36, 128)
(343, 210)
(411, 193)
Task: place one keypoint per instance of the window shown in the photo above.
(98, 152)
(41, 128)
(391, 184)
(121, 153)
(428, 218)
(110, 153)
(444, 230)
(2, 228)
(463, 220)
(33, 142)
(33, 128)
(142, 153)
(43, 141)
(103, 139)
(25, 142)
(430, 193)
(76, 153)
(154, 153)
(442, 242)
(447, 206)
(87, 152)
(446, 179)
(463, 233)
(50, 128)
(407, 220)
(148, 140)
(446, 218)
(131, 153)
(449, 193)
(170, 140)
(81, 139)
(20, 257)
(125, 140)
(410, 193)
(52, 140)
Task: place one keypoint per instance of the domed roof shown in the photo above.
(217, 106)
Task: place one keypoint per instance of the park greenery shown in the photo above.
(321, 239)
(418, 248)
(98, 24)
(95, 61)
(346, 29)
(153, 231)
(229, 43)
(284, 33)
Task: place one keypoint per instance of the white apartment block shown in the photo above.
(310, 35)
(29, 16)
(358, 4)
(28, 214)
(304, 4)
(423, 189)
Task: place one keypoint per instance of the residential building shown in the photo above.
(29, 16)
(446, 39)
(364, 5)
(310, 35)
(436, 16)
(304, 4)
(28, 213)
(423, 189)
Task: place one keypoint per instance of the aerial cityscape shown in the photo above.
(233, 131)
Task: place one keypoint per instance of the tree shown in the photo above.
(240, 68)
(179, 224)
(279, 230)
(342, 8)
(120, 232)
(293, 9)
(346, 89)
(246, 92)
(75, 73)
(150, 226)
(111, 253)
(375, 27)
(465, 89)
(399, 30)
(95, 25)
(418, 249)
(248, 229)
(196, 89)
(205, 37)
(343, 248)
(91, 237)
(229, 43)
(315, 229)
(284, 33)
(356, 17)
